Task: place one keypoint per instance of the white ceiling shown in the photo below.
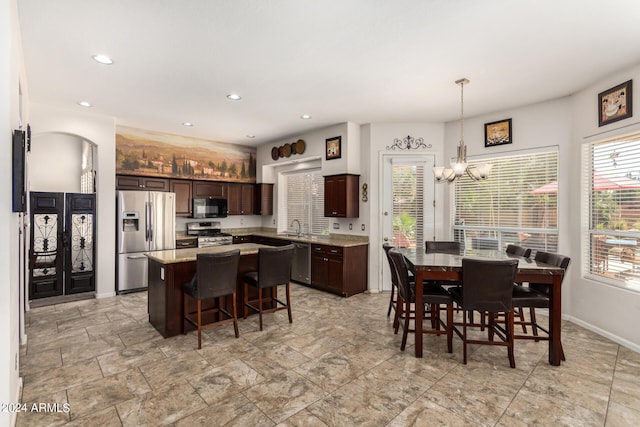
(338, 60)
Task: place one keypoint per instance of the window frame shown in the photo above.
(307, 225)
(459, 231)
(588, 230)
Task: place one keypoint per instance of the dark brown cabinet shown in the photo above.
(339, 270)
(341, 196)
(189, 242)
(127, 182)
(263, 202)
(182, 188)
(210, 189)
(240, 199)
(242, 239)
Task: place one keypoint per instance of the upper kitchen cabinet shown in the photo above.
(240, 199)
(182, 188)
(263, 202)
(341, 196)
(127, 182)
(210, 189)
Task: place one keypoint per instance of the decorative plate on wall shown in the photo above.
(299, 146)
(274, 153)
(287, 150)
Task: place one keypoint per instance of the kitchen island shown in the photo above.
(169, 269)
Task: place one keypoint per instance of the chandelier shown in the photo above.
(457, 169)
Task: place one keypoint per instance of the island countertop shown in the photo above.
(172, 256)
(341, 240)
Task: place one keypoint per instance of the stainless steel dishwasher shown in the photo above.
(301, 268)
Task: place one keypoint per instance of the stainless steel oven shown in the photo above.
(208, 233)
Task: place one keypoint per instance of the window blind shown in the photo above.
(305, 203)
(611, 184)
(518, 203)
(408, 204)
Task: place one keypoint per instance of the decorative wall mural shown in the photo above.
(148, 153)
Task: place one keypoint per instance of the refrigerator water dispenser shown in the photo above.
(130, 221)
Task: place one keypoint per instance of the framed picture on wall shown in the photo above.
(615, 104)
(497, 133)
(334, 147)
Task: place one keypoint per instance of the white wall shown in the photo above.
(62, 155)
(13, 76)
(268, 170)
(99, 130)
(604, 308)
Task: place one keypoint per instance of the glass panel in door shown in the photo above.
(408, 212)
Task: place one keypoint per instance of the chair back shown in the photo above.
(274, 265)
(553, 259)
(442, 247)
(487, 285)
(401, 271)
(518, 251)
(217, 274)
(394, 276)
(556, 260)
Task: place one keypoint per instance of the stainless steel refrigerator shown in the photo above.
(146, 222)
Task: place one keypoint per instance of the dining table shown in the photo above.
(439, 266)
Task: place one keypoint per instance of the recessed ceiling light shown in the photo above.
(251, 136)
(84, 103)
(234, 97)
(103, 59)
(187, 124)
(305, 117)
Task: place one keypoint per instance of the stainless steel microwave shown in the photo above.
(209, 208)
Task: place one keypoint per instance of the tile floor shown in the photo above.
(338, 364)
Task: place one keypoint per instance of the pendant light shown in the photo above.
(457, 169)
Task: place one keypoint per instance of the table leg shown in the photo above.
(555, 321)
(419, 308)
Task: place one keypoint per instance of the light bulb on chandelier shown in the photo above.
(457, 169)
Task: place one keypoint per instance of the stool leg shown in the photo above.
(246, 300)
(199, 324)
(289, 303)
(393, 288)
(185, 312)
(450, 328)
(260, 306)
(235, 315)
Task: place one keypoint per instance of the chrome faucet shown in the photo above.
(299, 226)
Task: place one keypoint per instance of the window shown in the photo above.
(305, 203)
(518, 203)
(611, 183)
(408, 203)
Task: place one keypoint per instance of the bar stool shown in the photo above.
(216, 277)
(274, 268)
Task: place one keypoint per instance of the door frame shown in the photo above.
(385, 189)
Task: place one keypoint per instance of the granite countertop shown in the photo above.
(342, 240)
(172, 256)
(180, 236)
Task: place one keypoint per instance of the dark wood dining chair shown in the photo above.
(517, 250)
(536, 295)
(435, 296)
(216, 277)
(393, 303)
(274, 269)
(442, 247)
(487, 287)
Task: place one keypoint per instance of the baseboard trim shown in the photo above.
(14, 414)
(615, 338)
(105, 295)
